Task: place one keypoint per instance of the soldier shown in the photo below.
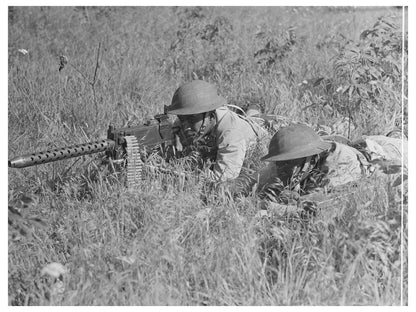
(222, 135)
(302, 161)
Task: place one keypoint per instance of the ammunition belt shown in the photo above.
(134, 162)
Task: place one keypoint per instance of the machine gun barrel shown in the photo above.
(61, 153)
(120, 144)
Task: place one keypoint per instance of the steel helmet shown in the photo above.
(293, 142)
(195, 97)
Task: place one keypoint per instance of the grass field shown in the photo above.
(177, 242)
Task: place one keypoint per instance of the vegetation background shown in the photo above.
(174, 242)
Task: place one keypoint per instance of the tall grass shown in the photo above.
(173, 241)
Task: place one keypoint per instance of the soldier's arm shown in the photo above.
(230, 157)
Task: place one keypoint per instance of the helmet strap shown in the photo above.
(299, 173)
(305, 170)
(201, 131)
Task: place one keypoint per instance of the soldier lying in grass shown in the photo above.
(208, 125)
(301, 162)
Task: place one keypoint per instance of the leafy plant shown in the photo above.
(202, 44)
(366, 83)
(276, 47)
(369, 72)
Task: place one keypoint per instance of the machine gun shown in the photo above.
(122, 145)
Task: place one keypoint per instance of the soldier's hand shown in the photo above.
(178, 145)
(288, 197)
(309, 209)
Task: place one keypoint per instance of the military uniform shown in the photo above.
(230, 140)
(341, 165)
(335, 164)
(383, 148)
(227, 142)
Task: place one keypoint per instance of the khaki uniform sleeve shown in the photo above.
(344, 165)
(381, 147)
(389, 158)
(231, 152)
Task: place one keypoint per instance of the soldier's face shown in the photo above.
(287, 168)
(192, 122)
(197, 125)
(290, 163)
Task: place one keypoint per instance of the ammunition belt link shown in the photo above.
(134, 162)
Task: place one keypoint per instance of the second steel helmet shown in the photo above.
(195, 97)
(295, 141)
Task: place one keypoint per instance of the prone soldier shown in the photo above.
(303, 162)
(205, 121)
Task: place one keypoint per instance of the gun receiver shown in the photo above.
(119, 143)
